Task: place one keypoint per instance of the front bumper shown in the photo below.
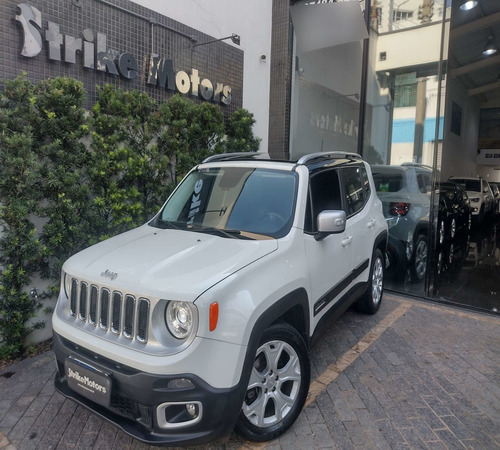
(151, 407)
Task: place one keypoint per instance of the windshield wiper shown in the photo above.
(167, 224)
(234, 234)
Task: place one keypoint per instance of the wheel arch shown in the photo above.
(293, 309)
(381, 242)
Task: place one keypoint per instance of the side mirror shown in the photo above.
(330, 222)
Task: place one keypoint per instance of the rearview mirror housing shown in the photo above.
(330, 222)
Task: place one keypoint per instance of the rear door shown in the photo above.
(360, 226)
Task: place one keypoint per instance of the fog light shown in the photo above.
(191, 409)
(173, 415)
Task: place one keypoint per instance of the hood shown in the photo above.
(169, 264)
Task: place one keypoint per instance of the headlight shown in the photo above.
(179, 319)
(66, 279)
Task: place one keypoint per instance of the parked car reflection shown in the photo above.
(405, 194)
(467, 270)
(454, 216)
(480, 196)
(449, 261)
(495, 189)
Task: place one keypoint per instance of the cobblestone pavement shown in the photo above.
(416, 375)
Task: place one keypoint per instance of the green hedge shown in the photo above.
(88, 175)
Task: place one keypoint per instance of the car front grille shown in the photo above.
(120, 314)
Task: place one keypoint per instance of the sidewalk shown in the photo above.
(416, 375)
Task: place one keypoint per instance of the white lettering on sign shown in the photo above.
(97, 56)
(335, 125)
(195, 201)
(86, 381)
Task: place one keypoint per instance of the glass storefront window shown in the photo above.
(400, 129)
(422, 124)
(326, 77)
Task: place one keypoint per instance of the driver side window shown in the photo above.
(324, 194)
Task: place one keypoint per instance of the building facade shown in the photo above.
(398, 82)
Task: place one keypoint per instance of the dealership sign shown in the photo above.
(488, 157)
(97, 56)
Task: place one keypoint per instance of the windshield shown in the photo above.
(233, 202)
(468, 185)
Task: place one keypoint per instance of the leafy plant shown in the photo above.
(20, 250)
(240, 137)
(59, 127)
(85, 176)
(190, 133)
(126, 167)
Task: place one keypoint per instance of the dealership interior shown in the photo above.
(463, 252)
(429, 108)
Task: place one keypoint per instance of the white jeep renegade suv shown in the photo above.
(200, 320)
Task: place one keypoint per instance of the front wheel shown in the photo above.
(278, 384)
(371, 299)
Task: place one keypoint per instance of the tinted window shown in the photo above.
(355, 186)
(469, 185)
(324, 194)
(388, 182)
(234, 198)
(424, 182)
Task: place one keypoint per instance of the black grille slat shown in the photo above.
(94, 299)
(104, 317)
(116, 313)
(73, 296)
(84, 288)
(128, 325)
(142, 320)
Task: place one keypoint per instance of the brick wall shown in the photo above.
(125, 32)
(281, 66)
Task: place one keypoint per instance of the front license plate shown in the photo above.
(88, 381)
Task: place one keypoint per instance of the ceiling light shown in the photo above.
(490, 48)
(466, 5)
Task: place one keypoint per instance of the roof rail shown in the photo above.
(312, 157)
(236, 155)
(414, 164)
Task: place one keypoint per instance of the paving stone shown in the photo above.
(412, 438)
(431, 419)
(430, 380)
(449, 439)
(356, 432)
(391, 433)
(422, 429)
(322, 436)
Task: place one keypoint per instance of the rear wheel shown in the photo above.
(453, 228)
(278, 384)
(371, 299)
(420, 257)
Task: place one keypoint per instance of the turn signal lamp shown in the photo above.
(213, 316)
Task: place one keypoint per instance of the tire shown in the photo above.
(419, 267)
(453, 228)
(370, 301)
(441, 232)
(282, 353)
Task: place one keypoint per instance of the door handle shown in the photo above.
(346, 241)
(371, 223)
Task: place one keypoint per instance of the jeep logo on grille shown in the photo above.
(108, 274)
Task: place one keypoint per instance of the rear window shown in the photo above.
(388, 182)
